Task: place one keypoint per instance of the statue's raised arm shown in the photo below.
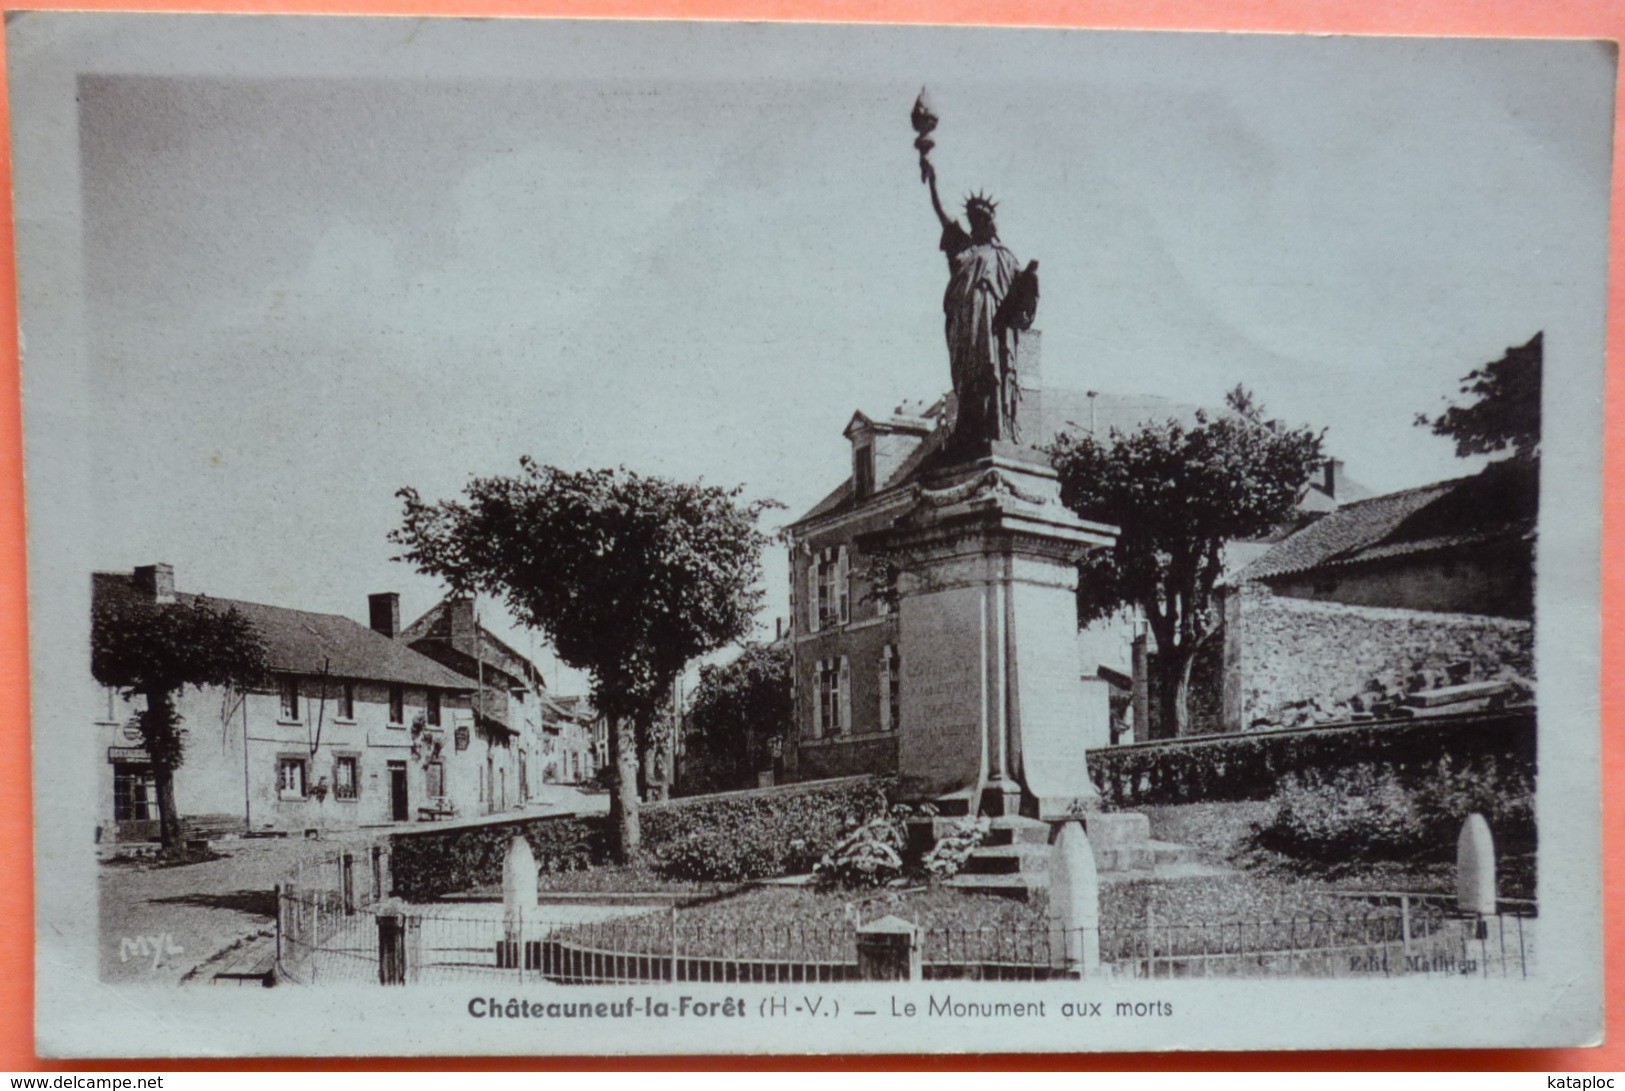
(924, 121)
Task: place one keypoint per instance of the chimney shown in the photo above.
(460, 617)
(158, 581)
(1334, 475)
(384, 613)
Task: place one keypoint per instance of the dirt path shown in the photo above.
(158, 924)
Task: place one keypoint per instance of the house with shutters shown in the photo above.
(351, 728)
(508, 702)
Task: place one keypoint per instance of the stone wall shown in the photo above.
(1335, 657)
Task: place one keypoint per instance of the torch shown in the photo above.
(924, 121)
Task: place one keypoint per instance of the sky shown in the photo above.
(323, 259)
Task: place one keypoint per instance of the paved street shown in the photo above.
(177, 918)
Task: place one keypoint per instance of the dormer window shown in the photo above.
(863, 471)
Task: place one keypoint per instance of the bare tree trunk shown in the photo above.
(1182, 694)
(160, 735)
(1182, 690)
(623, 802)
(645, 752)
(169, 821)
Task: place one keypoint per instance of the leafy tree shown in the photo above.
(629, 577)
(157, 649)
(1504, 412)
(1179, 494)
(736, 708)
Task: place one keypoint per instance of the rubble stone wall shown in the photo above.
(1303, 662)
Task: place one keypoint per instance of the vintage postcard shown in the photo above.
(582, 537)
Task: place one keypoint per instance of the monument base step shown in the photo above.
(1023, 856)
(1020, 885)
(1013, 829)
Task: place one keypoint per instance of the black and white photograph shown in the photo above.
(557, 536)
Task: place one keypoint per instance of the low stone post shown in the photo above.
(520, 913)
(347, 883)
(400, 937)
(1475, 868)
(1074, 901)
(889, 950)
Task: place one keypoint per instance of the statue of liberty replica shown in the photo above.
(990, 301)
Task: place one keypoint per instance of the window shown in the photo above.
(347, 701)
(135, 793)
(435, 778)
(290, 778)
(433, 715)
(863, 471)
(891, 688)
(346, 777)
(289, 690)
(833, 713)
(397, 706)
(829, 604)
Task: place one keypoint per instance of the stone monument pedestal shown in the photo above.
(986, 579)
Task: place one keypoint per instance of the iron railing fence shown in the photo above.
(325, 926)
(1381, 934)
(321, 939)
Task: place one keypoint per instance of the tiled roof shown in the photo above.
(302, 642)
(1496, 504)
(436, 627)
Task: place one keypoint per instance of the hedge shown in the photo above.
(753, 834)
(1231, 768)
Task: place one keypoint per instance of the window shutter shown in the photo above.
(841, 584)
(885, 688)
(818, 700)
(812, 595)
(845, 712)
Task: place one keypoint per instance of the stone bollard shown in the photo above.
(520, 914)
(889, 950)
(1074, 901)
(347, 883)
(1475, 868)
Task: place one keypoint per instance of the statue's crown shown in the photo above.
(980, 202)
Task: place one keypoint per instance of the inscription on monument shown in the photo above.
(940, 745)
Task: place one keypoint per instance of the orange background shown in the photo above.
(1515, 18)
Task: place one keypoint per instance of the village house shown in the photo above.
(575, 740)
(352, 728)
(1411, 591)
(508, 701)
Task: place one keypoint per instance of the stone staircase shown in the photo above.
(1014, 859)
